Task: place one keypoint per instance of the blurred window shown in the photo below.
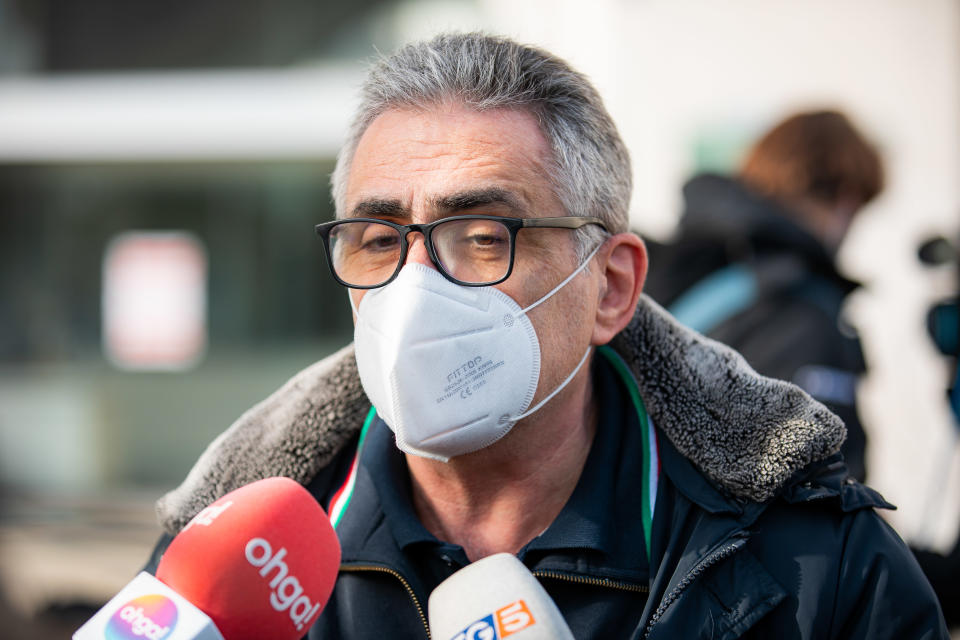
(267, 280)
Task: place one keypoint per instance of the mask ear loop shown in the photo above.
(570, 277)
(586, 354)
(552, 393)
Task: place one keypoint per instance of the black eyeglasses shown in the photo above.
(471, 250)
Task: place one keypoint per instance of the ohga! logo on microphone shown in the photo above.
(287, 594)
(152, 617)
(499, 624)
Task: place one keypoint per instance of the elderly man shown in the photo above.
(510, 390)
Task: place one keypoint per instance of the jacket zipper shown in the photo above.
(699, 568)
(596, 582)
(553, 575)
(403, 581)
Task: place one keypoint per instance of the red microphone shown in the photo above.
(261, 561)
(258, 564)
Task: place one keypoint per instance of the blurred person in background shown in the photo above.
(753, 265)
(527, 398)
(943, 325)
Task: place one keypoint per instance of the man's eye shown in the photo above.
(379, 241)
(485, 239)
(484, 233)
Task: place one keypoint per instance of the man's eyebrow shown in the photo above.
(452, 203)
(477, 198)
(375, 208)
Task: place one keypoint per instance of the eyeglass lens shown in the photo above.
(475, 251)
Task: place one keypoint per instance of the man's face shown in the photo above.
(417, 166)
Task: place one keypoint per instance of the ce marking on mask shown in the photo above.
(467, 378)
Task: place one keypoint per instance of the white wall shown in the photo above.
(669, 68)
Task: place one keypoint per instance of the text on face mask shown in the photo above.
(468, 378)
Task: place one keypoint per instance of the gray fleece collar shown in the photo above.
(746, 433)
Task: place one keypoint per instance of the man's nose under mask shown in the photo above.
(449, 368)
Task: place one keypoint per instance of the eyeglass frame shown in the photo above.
(513, 225)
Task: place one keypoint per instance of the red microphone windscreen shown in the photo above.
(261, 561)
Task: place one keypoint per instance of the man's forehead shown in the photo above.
(448, 159)
(454, 128)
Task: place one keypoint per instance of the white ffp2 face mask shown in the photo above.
(449, 368)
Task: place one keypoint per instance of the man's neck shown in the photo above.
(501, 497)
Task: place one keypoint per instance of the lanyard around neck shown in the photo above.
(651, 449)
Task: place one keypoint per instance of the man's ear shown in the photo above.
(623, 262)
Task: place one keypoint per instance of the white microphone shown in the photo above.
(494, 598)
(147, 609)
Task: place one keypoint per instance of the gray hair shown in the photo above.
(590, 171)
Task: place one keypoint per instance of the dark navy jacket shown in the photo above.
(813, 562)
(722, 569)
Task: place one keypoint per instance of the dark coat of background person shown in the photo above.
(794, 320)
(753, 261)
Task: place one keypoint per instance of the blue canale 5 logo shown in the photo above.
(499, 624)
